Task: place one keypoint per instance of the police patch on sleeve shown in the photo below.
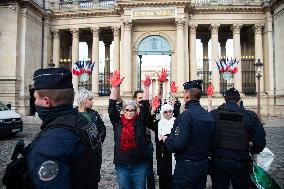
(177, 131)
(48, 170)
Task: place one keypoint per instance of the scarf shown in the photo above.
(165, 126)
(49, 114)
(127, 139)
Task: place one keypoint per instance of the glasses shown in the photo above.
(170, 111)
(130, 110)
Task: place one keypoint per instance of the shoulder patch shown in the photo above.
(177, 131)
(48, 170)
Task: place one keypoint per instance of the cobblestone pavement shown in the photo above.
(274, 130)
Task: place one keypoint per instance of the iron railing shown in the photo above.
(248, 75)
(99, 4)
(206, 77)
(104, 85)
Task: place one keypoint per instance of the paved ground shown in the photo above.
(274, 129)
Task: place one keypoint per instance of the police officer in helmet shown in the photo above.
(239, 132)
(61, 155)
(190, 140)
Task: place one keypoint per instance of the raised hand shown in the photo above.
(155, 102)
(147, 81)
(173, 87)
(115, 79)
(163, 76)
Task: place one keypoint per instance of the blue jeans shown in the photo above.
(132, 176)
(150, 173)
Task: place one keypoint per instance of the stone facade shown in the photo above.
(33, 34)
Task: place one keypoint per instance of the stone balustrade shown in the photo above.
(105, 4)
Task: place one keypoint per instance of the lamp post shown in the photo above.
(139, 75)
(258, 68)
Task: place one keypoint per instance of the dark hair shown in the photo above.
(195, 93)
(58, 96)
(232, 98)
(136, 92)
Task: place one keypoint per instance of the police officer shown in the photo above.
(239, 132)
(61, 155)
(190, 140)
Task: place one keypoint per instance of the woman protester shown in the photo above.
(130, 148)
(84, 100)
(162, 127)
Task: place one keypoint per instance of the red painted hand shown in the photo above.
(147, 81)
(173, 87)
(163, 76)
(115, 79)
(155, 102)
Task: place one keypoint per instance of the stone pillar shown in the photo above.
(126, 69)
(21, 102)
(215, 72)
(193, 65)
(236, 28)
(223, 42)
(179, 24)
(75, 55)
(107, 55)
(116, 50)
(56, 47)
(204, 41)
(259, 49)
(95, 58)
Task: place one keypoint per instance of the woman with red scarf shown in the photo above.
(130, 146)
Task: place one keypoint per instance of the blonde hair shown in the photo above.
(82, 95)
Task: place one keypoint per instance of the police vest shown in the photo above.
(231, 131)
(83, 174)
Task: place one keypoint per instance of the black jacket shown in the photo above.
(254, 128)
(139, 153)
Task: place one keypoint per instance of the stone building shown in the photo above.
(34, 32)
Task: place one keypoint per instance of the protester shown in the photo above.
(84, 100)
(130, 148)
(165, 159)
(190, 140)
(239, 134)
(138, 97)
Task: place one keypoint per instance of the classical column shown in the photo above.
(236, 28)
(223, 42)
(193, 65)
(116, 50)
(179, 24)
(75, 54)
(107, 55)
(95, 58)
(258, 48)
(56, 47)
(215, 72)
(126, 66)
(204, 41)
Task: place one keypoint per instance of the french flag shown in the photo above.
(90, 67)
(76, 69)
(235, 68)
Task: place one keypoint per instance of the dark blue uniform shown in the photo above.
(59, 147)
(231, 164)
(190, 140)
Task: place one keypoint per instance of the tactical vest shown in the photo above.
(231, 131)
(83, 173)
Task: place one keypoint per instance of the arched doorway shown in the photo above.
(154, 53)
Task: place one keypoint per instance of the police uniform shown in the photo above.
(60, 157)
(190, 140)
(235, 128)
